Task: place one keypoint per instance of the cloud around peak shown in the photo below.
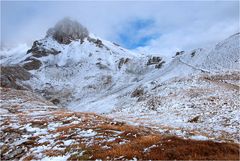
(154, 27)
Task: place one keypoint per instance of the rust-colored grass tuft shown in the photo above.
(132, 149)
(172, 148)
(116, 127)
(67, 128)
(39, 123)
(53, 153)
(29, 158)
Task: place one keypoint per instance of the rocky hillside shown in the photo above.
(72, 66)
(195, 95)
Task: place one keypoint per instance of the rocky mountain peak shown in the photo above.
(67, 30)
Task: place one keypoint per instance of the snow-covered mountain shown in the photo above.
(71, 66)
(196, 93)
(197, 89)
(224, 56)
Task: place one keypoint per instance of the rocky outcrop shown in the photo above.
(98, 43)
(11, 77)
(15, 71)
(67, 30)
(38, 50)
(32, 64)
(179, 53)
(122, 61)
(155, 60)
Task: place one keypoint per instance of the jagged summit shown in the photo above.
(67, 30)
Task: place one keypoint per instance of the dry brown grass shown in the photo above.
(182, 149)
(171, 148)
(133, 148)
(116, 127)
(39, 123)
(53, 153)
(61, 114)
(67, 128)
(28, 158)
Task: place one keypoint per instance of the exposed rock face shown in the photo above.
(15, 71)
(32, 64)
(38, 51)
(67, 30)
(122, 61)
(97, 42)
(179, 53)
(155, 60)
(11, 75)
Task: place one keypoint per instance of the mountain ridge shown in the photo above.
(87, 73)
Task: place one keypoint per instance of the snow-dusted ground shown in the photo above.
(180, 98)
(32, 128)
(85, 72)
(185, 107)
(13, 55)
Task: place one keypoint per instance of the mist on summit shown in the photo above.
(66, 30)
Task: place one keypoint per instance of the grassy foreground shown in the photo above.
(33, 128)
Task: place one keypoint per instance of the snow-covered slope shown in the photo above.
(71, 68)
(13, 55)
(222, 57)
(197, 92)
(86, 73)
(84, 70)
(78, 70)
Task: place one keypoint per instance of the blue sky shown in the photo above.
(147, 26)
(134, 37)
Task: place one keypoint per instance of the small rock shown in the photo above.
(194, 120)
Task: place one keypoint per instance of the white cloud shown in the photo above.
(183, 25)
(190, 37)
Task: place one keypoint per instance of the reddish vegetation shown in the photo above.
(171, 148)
